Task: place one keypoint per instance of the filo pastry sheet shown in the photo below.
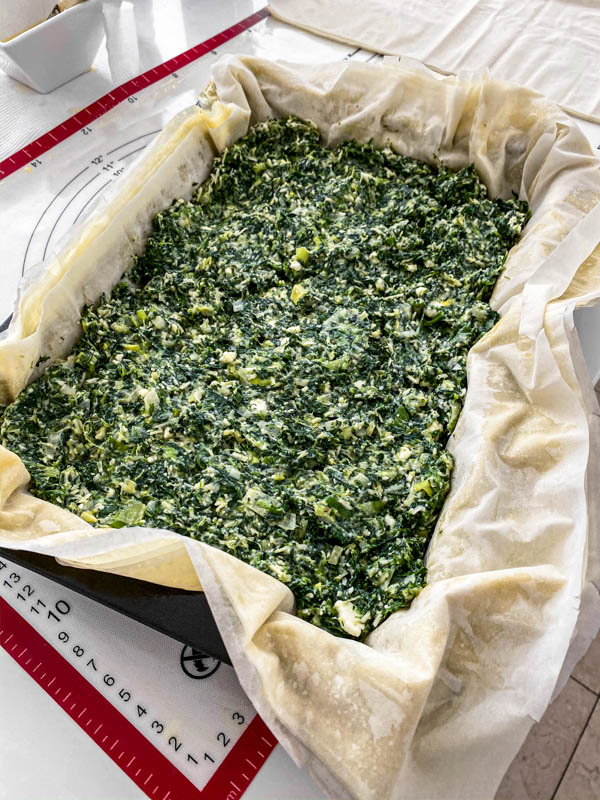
(549, 45)
(441, 695)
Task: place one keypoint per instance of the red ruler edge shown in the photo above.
(99, 107)
(147, 767)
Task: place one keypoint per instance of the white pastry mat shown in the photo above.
(44, 199)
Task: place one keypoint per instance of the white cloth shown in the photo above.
(552, 46)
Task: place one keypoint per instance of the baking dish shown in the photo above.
(446, 690)
(56, 50)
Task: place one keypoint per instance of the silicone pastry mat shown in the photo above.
(83, 175)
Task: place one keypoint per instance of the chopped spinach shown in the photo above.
(279, 372)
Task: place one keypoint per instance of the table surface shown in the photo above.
(43, 754)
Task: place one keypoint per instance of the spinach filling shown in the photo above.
(279, 372)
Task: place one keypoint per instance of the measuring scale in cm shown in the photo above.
(174, 720)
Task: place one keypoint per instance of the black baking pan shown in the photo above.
(180, 614)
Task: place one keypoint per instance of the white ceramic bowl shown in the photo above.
(57, 50)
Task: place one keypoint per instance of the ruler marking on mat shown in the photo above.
(119, 730)
(99, 107)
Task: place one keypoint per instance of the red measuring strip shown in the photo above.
(99, 107)
(155, 775)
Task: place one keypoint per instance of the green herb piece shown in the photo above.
(131, 514)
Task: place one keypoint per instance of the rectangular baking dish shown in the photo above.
(178, 613)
